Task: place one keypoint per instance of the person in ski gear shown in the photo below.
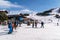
(36, 22)
(42, 24)
(10, 27)
(33, 24)
(20, 20)
(57, 24)
(15, 24)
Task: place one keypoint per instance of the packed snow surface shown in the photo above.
(50, 31)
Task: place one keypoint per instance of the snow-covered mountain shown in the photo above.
(53, 11)
(46, 18)
(27, 11)
(56, 11)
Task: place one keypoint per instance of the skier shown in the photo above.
(42, 24)
(20, 20)
(33, 24)
(10, 27)
(28, 22)
(36, 21)
(57, 24)
(15, 24)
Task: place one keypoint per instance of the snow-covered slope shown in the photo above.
(56, 11)
(50, 31)
(52, 17)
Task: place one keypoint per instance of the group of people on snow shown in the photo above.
(13, 24)
(35, 23)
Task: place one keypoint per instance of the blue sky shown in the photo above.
(35, 5)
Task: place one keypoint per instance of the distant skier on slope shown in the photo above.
(42, 24)
(57, 24)
(20, 20)
(33, 24)
(36, 22)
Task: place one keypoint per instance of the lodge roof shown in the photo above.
(4, 11)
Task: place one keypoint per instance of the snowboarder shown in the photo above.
(10, 27)
(42, 24)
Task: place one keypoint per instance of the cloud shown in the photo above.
(8, 4)
(22, 11)
(27, 11)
